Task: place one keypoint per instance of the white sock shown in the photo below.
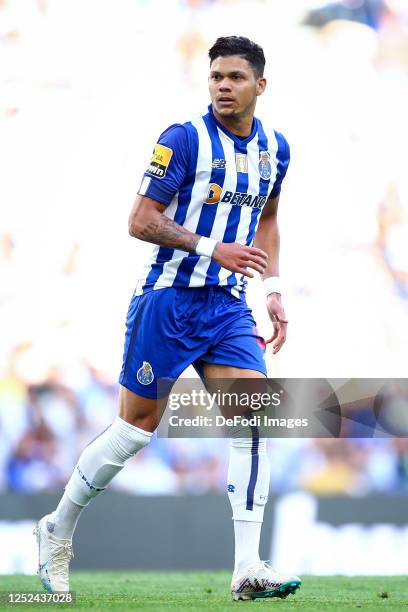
(63, 520)
(248, 488)
(247, 536)
(100, 461)
(248, 478)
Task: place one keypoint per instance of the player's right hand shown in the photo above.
(238, 257)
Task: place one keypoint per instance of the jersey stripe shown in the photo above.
(187, 274)
(264, 188)
(280, 153)
(144, 185)
(237, 217)
(176, 210)
(223, 210)
(252, 215)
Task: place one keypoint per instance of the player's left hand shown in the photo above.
(279, 322)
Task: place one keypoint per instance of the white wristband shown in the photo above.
(206, 246)
(272, 284)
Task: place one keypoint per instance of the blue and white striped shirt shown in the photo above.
(215, 184)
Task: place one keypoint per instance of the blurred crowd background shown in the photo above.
(86, 87)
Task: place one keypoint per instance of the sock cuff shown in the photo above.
(124, 426)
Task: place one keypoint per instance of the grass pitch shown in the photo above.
(202, 591)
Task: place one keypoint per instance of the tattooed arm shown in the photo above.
(148, 223)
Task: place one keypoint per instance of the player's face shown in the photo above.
(234, 87)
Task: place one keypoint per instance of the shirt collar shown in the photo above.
(234, 137)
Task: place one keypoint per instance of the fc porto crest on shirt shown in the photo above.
(265, 168)
(145, 374)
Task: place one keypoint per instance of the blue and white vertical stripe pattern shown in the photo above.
(214, 162)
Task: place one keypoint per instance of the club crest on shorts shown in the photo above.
(145, 374)
(265, 168)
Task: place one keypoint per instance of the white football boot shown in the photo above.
(54, 555)
(262, 581)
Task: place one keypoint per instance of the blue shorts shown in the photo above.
(169, 329)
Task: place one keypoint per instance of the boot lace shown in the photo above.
(61, 556)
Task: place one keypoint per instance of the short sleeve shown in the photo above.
(168, 166)
(283, 159)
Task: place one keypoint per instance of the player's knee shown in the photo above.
(126, 440)
(138, 411)
(116, 444)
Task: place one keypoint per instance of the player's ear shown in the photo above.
(260, 86)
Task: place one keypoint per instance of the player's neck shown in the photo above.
(239, 126)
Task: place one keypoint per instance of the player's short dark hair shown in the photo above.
(239, 45)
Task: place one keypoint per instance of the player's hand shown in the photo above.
(238, 257)
(279, 322)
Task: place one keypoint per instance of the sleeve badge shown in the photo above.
(160, 161)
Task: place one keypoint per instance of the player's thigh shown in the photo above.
(214, 370)
(140, 411)
(230, 382)
(238, 354)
